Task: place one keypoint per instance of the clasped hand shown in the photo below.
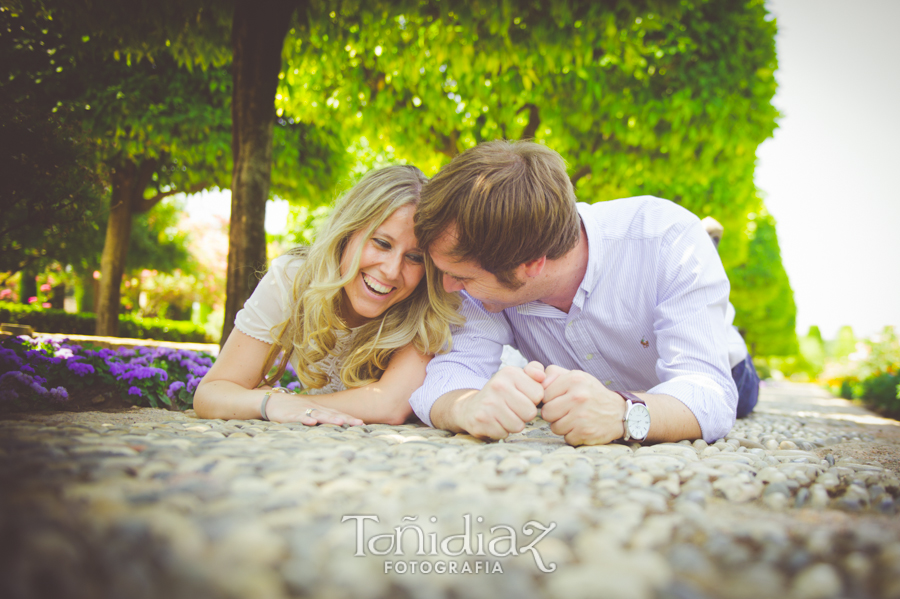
(577, 405)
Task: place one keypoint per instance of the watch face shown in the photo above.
(638, 421)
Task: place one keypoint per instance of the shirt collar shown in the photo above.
(592, 274)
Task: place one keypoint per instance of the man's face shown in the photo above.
(477, 282)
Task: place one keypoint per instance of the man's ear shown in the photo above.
(534, 267)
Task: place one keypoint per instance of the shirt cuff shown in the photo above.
(424, 398)
(714, 407)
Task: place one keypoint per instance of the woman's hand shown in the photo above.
(284, 407)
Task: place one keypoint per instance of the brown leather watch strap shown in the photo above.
(626, 395)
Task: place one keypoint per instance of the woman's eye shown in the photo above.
(381, 243)
(416, 258)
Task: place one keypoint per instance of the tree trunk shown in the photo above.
(258, 31)
(128, 184)
(115, 249)
(58, 297)
(27, 284)
(86, 291)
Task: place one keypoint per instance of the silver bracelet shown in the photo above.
(262, 406)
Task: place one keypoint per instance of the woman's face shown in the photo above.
(390, 267)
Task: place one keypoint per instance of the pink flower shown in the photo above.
(5, 293)
(96, 275)
(46, 305)
(45, 287)
(32, 300)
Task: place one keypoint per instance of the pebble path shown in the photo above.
(161, 504)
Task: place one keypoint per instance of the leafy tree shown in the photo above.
(844, 344)
(812, 349)
(762, 294)
(662, 98)
(644, 96)
(156, 129)
(51, 195)
(251, 36)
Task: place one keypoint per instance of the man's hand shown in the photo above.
(506, 403)
(580, 408)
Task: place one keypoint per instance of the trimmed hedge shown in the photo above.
(84, 323)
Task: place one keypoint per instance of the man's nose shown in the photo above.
(451, 285)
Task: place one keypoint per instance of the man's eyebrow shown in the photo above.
(457, 277)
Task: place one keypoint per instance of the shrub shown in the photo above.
(84, 323)
(875, 378)
(880, 391)
(42, 374)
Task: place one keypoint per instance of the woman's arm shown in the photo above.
(229, 390)
(386, 401)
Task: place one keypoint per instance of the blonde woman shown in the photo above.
(358, 314)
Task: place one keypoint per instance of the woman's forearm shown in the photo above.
(372, 403)
(227, 400)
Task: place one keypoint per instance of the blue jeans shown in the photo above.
(747, 381)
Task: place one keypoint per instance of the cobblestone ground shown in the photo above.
(150, 503)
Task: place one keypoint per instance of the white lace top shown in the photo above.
(270, 305)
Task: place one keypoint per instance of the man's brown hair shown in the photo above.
(510, 202)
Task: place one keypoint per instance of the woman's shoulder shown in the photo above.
(286, 265)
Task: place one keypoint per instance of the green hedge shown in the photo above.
(83, 323)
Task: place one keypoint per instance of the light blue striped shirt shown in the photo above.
(650, 315)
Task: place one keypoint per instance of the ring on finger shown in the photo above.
(309, 412)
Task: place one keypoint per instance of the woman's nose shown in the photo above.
(392, 266)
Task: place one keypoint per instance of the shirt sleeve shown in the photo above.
(472, 360)
(737, 349)
(692, 330)
(270, 303)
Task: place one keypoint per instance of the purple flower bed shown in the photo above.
(42, 372)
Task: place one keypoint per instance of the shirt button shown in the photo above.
(589, 357)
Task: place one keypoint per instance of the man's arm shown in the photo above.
(581, 409)
(504, 405)
(692, 332)
(469, 366)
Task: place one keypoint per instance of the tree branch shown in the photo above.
(447, 144)
(145, 205)
(581, 172)
(534, 121)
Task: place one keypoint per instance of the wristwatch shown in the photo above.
(637, 417)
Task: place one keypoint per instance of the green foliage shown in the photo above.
(83, 323)
(648, 96)
(762, 295)
(873, 379)
(663, 98)
(104, 113)
(844, 344)
(812, 349)
(52, 197)
(157, 241)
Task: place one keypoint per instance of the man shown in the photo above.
(624, 302)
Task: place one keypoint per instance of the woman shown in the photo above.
(354, 314)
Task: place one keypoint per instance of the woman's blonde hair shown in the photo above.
(423, 318)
